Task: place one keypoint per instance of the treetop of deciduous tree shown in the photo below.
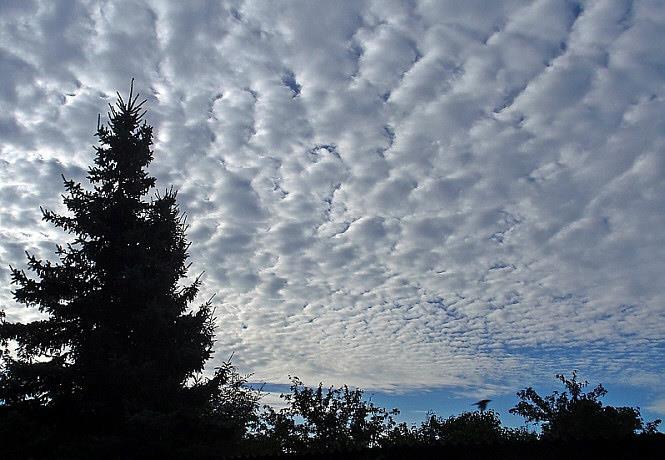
(576, 414)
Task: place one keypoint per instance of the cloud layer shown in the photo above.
(387, 194)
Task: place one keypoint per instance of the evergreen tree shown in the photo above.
(118, 349)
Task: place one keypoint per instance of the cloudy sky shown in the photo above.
(421, 198)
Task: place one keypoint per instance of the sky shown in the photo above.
(437, 201)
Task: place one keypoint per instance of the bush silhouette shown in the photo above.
(466, 428)
(324, 419)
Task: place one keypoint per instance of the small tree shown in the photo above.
(575, 414)
(318, 419)
(466, 428)
(118, 349)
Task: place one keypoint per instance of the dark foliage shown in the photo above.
(482, 427)
(340, 422)
(339, 419)
(576, 414)
(118, 352)
(640, 448)
(464, 428)
(322, 419)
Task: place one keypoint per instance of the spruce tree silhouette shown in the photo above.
(119, 351)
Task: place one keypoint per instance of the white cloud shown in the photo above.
(385, 194)
(658, 406)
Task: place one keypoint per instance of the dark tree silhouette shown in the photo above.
(576, 414)
(318, 419)
(118, 349)
(465, 428)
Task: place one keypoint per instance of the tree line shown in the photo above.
(114, 366)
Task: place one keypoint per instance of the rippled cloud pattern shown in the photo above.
(390, 194)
